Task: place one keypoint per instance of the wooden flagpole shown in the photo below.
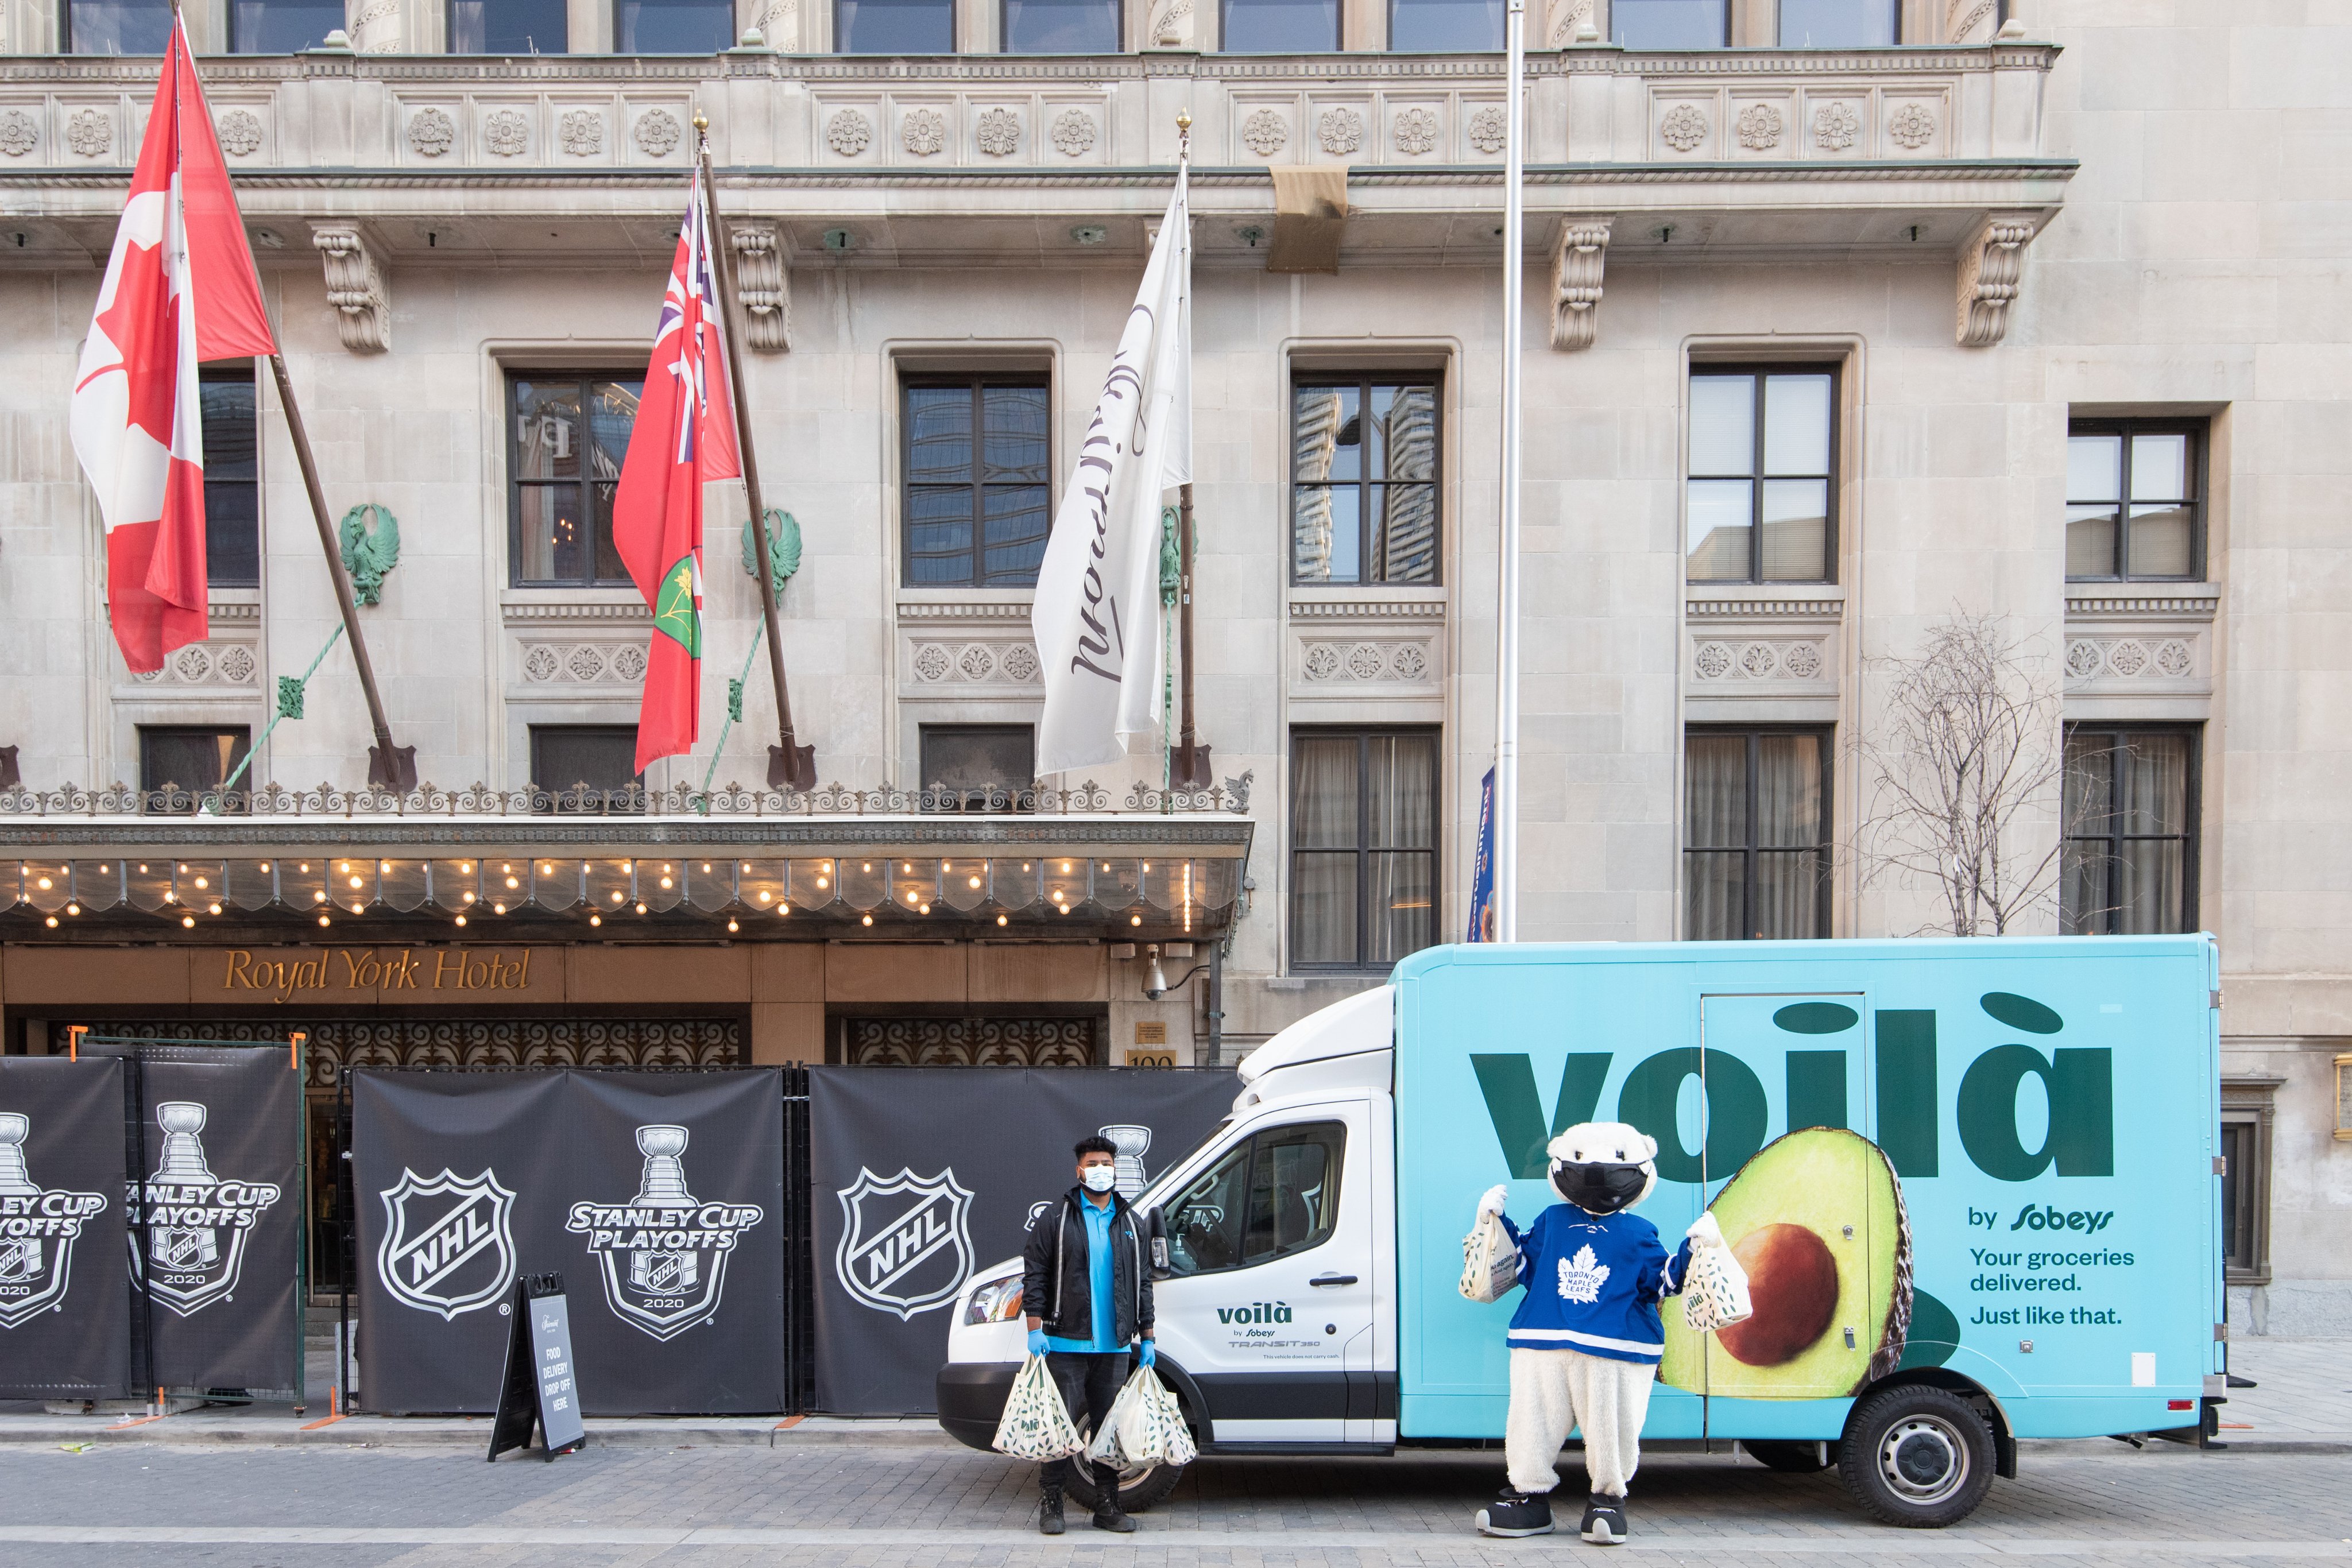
(790, 765)
(1189, 770)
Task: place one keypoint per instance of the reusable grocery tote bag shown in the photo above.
(1490, 1263)
(1145, 1427)
(1715, 1293)
(1036, 1423)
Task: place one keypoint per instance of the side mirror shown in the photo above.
(1157, 1221)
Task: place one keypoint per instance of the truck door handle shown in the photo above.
(1332, 1280)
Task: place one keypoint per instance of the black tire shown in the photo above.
(1917, 1456)
(1138, 1489)
(1788, 1457)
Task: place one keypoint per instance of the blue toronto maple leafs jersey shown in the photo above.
(1594, 1282)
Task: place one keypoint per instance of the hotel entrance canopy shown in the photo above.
(1087, 863)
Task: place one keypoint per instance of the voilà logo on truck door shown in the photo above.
(904, 1245)
(663, 1254)
(448, 1245)
(37, 1229)
(196, 1224)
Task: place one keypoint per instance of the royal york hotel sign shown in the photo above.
(289, 974)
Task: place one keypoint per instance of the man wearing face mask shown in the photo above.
(1586, 1338)
(1087, 1289)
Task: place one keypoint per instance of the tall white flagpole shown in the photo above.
(1507, 608)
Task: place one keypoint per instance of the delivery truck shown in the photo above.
(1975, 1184)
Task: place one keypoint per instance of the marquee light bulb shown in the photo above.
(595, 920)
(461, 920)
(732, 926)
(767, 898)
(926, 909)
(346, 866)
(462, 866)
(512, 883)
(865, 920)
(910, 898)
(783, 909)
(76, 909)
(1066, 868)
(51, 921)
(999, 920)
(318, 895)
(322, 920)
(212, 909)
(304, 867)
(1147, 865)
(666, 882)
(184, 865)
(616, 898)
(975, 882)
(469, 898)
(188, 920)
(641, 909)
(824, 881)
(265, 865)
(355, 882)
(869, 865)
(143, 868)
(44, 884)
(706, 866)
(384, 866)
(1135, 920)
(497, 909)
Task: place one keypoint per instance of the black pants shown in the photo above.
(1088, 1383)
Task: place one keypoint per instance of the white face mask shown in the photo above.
(1098, 1178)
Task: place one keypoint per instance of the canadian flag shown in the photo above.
(179, 288)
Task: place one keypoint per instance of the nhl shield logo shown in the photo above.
(448, 1244)
(663, 1255)
(197, 1225)
(37, 1229)
(905, 1247)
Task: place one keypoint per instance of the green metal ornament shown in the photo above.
(370, 551)
(783, 547)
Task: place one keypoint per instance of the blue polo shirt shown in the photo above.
(1097, 1218)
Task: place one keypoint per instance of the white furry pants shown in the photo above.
(1555, 1390)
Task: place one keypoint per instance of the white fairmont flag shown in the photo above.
(1097, 614)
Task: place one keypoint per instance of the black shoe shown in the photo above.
(1049, 1511)
(1604, 1519)
(1107, 1512)
(1516, 1513)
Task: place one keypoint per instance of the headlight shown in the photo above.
(995, 1302)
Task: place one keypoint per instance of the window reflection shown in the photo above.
(1061, 27)
(1364, 494)
(1281, 27)
(1669, 23)
(508, 28)
(1838, 23)
(117, 26)
(280, 26)
(673, 26)
(894, 27)
(1444, 25)
(568, 438)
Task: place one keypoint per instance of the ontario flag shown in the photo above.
(179, 288)
(683, 437)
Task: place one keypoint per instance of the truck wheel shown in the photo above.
(1787, 1457)
(1138, 1487)
(1917, 1456)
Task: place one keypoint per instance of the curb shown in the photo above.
(383, 1433)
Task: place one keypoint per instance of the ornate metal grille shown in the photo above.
(968, 1042)
(471, 1042)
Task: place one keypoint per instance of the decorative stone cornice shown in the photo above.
(1577, 260)
(1416, 612)
(355, 288)
(1765, 609)
(1000, 611)
(539, 612)
(2203, 604)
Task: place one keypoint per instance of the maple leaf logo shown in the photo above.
(1582, 1277)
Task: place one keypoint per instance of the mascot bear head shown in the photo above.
(1603, 1166)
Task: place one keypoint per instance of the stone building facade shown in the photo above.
(2031, 312)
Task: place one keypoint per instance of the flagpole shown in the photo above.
(1192, 764)
(1507, 638)
(790, 764)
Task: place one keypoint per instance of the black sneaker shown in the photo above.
(1049, 1512)
(1108, 1516)
(1516, 1513)
(1604, 1519)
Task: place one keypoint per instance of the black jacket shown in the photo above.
(1054, 1285)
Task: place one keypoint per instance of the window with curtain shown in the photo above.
(1363, 481)
(1670, 23)
(1756, 834)
(979, 501)
(281, 26)
(1760, 492)
(1363, 846)
(1444, 27)
(509, 27)
(894, 27)
(2135, 501)
(1280, 27)
(2131, 831)
(1062, 26)
(117, 26)
(1840, 24)
(673, 26)
(232, 477)
(978, 761)
(567, 436)
(195, 758)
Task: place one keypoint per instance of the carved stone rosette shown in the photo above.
(1991, 263)
(1576, 267)
(764, 286)
(355, 288)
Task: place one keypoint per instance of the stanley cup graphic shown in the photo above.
(183, 1152)
(663, 1185)
(16, 1181)
(1126, 1165)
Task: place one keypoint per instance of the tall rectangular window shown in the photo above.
(281, 26)
(117, 26)
(2135, 501)
(1761, 491)
(2131, 831)
(1363, 846)
(509, 27)
(1280, 27)
(1061, 27)
(1839, 24)
(1756, 834)
(1364, 480)
(232, 479)
(978, 465)
(894, 27)
(673, 26)
(566, 437)
(1444, 27)
(1670, 23)
(194, 758)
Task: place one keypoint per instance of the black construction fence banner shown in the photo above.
(921, 1174)
(658, 1195)
(213, 1211)
(65, 1307)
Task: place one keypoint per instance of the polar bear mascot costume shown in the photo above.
(1586, 1340)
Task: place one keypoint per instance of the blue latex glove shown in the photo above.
(1150, 1353)
(1036, 1342)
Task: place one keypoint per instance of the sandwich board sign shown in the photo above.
(542, 1384)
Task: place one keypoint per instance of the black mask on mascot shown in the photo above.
(1603, 1166)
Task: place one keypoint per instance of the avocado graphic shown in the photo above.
(1816, 1219)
